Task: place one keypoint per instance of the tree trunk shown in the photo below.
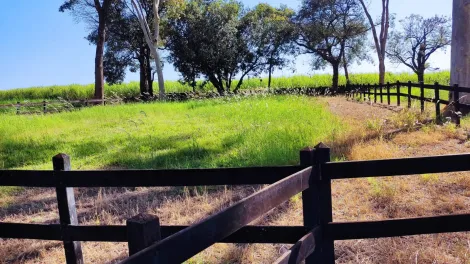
(99, 73)
(345, 65)
(334, 86)
(143, 77)
(381, 71)
(149, 72)
(420, 74)
(270, 75)
(460, 52)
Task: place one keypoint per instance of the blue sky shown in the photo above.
(41, 46)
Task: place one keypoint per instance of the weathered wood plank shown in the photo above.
(30, 231)
(400, 227)
(302, 249)
(148, 178)
(397, 167)
(188, 242)
(67, 211)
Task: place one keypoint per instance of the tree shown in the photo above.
(418, 40)
(325, 27)
(270, 32)
(93, 11)
(151, 39)
(209, 40)
(381, 40)
(356, 50)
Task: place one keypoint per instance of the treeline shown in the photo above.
(220, 43)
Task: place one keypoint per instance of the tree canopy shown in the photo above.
(418, 39)
(325, 26)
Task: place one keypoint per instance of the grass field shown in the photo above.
(210, 133)
(72, 92)
(234, 132)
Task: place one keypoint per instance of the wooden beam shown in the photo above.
(188, 242)
(67, 211)
(397, 167)
(147, 178)
(400, 227)
(302, 249)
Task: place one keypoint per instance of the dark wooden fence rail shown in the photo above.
(367, 91)
(151, 243)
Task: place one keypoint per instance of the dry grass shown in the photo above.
(353, 200)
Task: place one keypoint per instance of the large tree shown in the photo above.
(325, 27)
(269, 32)
(208, 40)
(380, 41)
(93, 12)
(418, 39)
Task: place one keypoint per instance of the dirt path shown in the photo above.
(357, 112)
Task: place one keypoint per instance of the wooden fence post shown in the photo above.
(310, 200)
(368, 91)
(457, 104)
(438, 103)
(67, 211)
(375, 93)
(409, 94)
(18, 105)
(44, 106)
(388, 93)
(421, 86)
(143, 230)
(321, 156)
(398, 93)
(381, 94)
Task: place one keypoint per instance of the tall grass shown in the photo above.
(209, 133)
(75, 91)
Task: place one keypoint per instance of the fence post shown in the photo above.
(409, 94)
(368, 91)
(321, 156)
(438, 103)
(457, 104)
(398, 93)
(381, 94)
(310, 200)
(375, 93)
(143, 230)
(421, 87)
(388, 93)
(18, 105)
(67, 210)
(44, 106)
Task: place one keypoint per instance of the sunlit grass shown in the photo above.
(209, 133)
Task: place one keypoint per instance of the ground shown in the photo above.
(366, 137)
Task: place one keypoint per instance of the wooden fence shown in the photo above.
(45, 107)
(377, 92)
(313, 241)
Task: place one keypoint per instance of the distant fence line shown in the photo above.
(367, 91)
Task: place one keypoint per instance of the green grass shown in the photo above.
(74, 91)
(210, 133)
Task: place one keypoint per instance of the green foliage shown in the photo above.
(418, 39)
(210, 133)
(127, 90)
(324, 27)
